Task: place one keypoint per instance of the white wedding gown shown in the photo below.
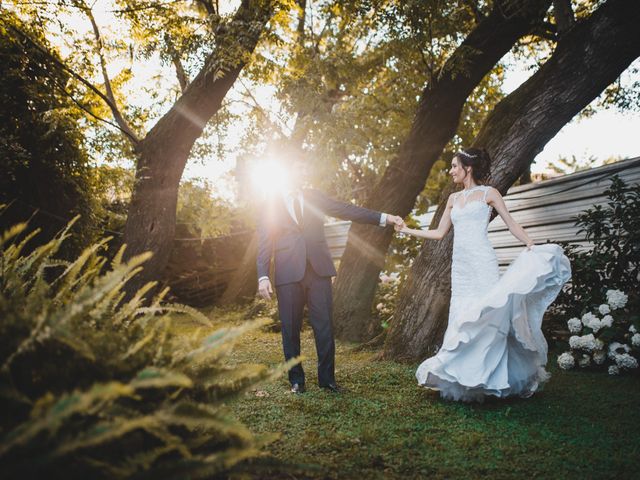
(493, 344)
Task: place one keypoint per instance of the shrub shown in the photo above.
(603, 297)
(614, 260)
(92, 386)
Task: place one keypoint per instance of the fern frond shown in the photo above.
(104, 433)
(159, 378)
(13, 232)
(117, 258)
(54, 417)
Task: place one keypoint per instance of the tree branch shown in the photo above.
(113, 105)
(70, 71)
(473, 8)
(564, 15)
(183, 79)
(86, 109)
(209, 6)
(546, 30)
(260, 108)
(301, 18)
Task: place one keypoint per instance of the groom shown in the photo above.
(291, 230)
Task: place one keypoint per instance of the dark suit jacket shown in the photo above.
(292, 245)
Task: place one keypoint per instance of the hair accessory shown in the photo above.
(465, 154)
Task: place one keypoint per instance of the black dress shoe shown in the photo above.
(333, 388)
(297, 388)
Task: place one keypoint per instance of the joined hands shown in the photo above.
(397, 222)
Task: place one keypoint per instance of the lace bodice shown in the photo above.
(474, 264)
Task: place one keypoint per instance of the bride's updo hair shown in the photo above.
(478, 159)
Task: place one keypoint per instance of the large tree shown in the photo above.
(590, 55)
(163, 152)
(434, 124)
(173, 32)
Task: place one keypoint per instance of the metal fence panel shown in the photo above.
(547, 210)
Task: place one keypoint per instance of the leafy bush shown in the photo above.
(604, 295)
(93, 386)
(614, 260)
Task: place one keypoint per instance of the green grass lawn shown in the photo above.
(583, 425)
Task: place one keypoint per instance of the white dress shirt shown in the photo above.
(288, 198)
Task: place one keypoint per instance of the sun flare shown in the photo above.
(269, 177)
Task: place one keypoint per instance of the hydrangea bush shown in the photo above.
(607, 336)
(603, 297)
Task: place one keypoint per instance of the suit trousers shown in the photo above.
(314, 291)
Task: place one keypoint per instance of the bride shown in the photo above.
(493, 344)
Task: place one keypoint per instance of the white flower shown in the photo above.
(585, 361)
(626, 361)
(599, 357)
(635, 340)
(566, 361)
(616, 299)
(588, 318)
(614, 370)
(379, 307)
(632, 329)
(616, 348)
(574, 342)
(604, 309)
(596, 325)
(575, 325)
(606, 321)
(586, 342)
(384, 278)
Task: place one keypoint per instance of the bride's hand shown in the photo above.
(400, 228)
(530, 245)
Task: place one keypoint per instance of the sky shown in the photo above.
(607, 133)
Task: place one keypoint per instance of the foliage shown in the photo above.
(44, 164)
(92, 386)
(350, 81)
(201, 212)
(613, 262)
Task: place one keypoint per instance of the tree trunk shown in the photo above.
(164, 151)
(587, 59)
(435, 123)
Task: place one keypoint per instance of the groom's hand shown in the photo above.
(264, 289)
(395, 221)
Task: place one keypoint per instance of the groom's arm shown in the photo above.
(347, 211)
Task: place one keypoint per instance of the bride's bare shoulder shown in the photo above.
(493, 193)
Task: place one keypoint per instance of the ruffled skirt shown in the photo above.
(495, 345)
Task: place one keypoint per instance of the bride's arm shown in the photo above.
(438, 233)
(496, 201)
